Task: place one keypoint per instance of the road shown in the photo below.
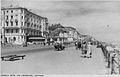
(50, 61)
(28, 49)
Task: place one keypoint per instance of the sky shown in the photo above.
(100, 19)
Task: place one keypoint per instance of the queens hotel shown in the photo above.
(19, 22)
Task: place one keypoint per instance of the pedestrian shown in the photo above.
(11, 43)
(44, 43)
(84, 49)
(79, 45)
(76, 44)
(89, 50)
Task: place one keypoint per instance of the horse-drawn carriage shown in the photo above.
(59, 46)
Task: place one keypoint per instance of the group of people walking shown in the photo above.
(85, 47)
(59, 46)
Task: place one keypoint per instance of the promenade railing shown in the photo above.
(112, 59)
(115, 64)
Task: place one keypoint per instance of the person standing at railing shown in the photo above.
(117, 57)
(89, 50)
(109, 49)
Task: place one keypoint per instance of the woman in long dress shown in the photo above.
(84, 49)
(89, 50)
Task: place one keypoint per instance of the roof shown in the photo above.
(9, 8)
(3, 8)
(12, 27)
(72, 28)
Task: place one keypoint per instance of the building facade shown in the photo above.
(44, 26)
(17, 23)
(66, 35)
(72, 34)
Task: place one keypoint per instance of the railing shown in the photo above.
(112, 59)
(115, 65)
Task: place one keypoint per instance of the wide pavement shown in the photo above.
(68, 61)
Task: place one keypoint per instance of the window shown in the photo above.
(14, 38)
(7, 17)
(3, 12)
(21, 23)
(17, 30)
(11, 30)
(16, 23)
(7, 30)
(21, 17)
(11, 11)
(11, 17)
(22, 37)
(7, 11)
(27, 24)
(6, 23)
(34, 26)
(22, 31)
(11, 23)
(6, 39)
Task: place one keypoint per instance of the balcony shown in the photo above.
(12, 34)
(11, 27)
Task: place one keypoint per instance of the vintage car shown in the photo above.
(12, 57)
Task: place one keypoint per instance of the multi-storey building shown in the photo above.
(19, 22)
(44, 26)
(66, 34)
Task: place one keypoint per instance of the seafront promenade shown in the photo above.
(102, 62)
(68, 61)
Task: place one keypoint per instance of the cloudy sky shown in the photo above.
(100, 19)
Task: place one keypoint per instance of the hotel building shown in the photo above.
(18, 22)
